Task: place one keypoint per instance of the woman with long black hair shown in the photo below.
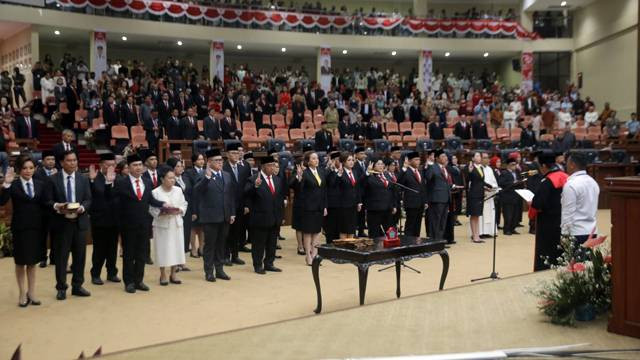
(379, 198)
(475, 195)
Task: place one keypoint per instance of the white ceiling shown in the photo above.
(554, 5)
(10, 28)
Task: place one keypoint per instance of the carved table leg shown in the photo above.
(398, 270)
(445, 267)
(315, 269)
(362, 277)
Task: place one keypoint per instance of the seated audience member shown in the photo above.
(65, 145)
(612, 126)
(591, 117)
(633, 126)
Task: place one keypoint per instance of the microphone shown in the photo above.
(529, 173)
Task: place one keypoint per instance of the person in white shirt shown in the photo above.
(48, 85)
(564, 119)
(509, 117)
(579, 200)
(591, 116)
(516, 106)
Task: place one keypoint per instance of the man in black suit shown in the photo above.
(413, 202)
(132, 200)
(104, 227)
(463, 129)
(153, 129)
(265, 203)
(211, 126)
(216, 211)
(360, 170)
(173, 126)
(202, 104)
(129, 112)
(479, 129)
(151, 164)
(439, 194)
(531, 104)
(237, 231)
(228, 126)
(189, 126)
(65, 145)
(509, 199)
(165, 109)
(324, 139)
(367, 110)
(356, 129)
(528, 137)
(26, 127)
(415, 114)
(374, 130)
(436, 129)
(244, 108)
(111, 112)
(228, 103)
(69, 195)
(43, 172)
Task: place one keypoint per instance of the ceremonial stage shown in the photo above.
(424, 321)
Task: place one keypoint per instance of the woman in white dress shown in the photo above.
(168, 229)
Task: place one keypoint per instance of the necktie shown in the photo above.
(28, 121)
(69, 190)
(66, 147)
(315, 174)
(138, 191)
(273, 190)
(154, 179)
(191, 120)
(384, 181)
(444, 172)
(29, 192)
(480, 170)
(235, 171)
(353, 181)
(417, 174)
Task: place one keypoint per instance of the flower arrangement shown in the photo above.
(582, 285)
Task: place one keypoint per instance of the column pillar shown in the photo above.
(420, 8)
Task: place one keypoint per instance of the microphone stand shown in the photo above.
(494, 274)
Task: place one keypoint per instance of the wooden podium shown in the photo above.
(624, 198)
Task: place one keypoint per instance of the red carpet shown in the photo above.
(50, 136)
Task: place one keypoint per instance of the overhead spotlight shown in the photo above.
(179, 43)
(239, 47)
(563, 4)
(124, 38)
(365, 33)
(57, 32)
(273, 7)
(58, 5)
(447, 54)
(394, 53)
(485, 54)
(283, 49)
(344, 52)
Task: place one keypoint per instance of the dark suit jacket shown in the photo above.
(133, 213)
(150, 133)
(243, 174)
(102, 209)
(188, 131)
(266, 210)
(323, 140)
(411, 199)
(374, 133)
(173, 129)
(202, 104)
(462, 133)
(376, 196)
(475, 184)
(41, 174)
(111, 117)
(55, 193)
(58, 150)
(228, 128)
(480, 130)
(438, 187)
(313, 197)
(505, 181)
(350, 195)
(164, 112)
(527, 138)
(211, 129)
(216, 200)
(22, 131)
(415, 115)
(436, 130)
(226, 104)
(28, 213)
(129, 116)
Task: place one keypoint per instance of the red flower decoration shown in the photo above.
(607, 259)
(593, 242)
(576, 267)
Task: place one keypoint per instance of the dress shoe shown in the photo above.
(149, 261)
(457, 223)
(500, 227)
(184, 268)
(80, 291)
(222, 275)
(245, 249)
(62, 294)
(131, 289)
(227, 262)
(194, 256)
(452, 242)
(272, 268)
(278, 247)
(69, 271)
(508, 233)
(485, 236)
(199, 253)
(113, 278)
(532, 232)
(516, 233)
(175, 281)
(260, 271)
(33, 302)
(164, 282)
(210, 278)
(96, 281)
(43, 264)
(362, 234)
(278, 257)
(25, 303)
(281, 237)
(238, 261)
(142, 287)
(519, 225)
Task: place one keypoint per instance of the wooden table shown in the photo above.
(410, 248)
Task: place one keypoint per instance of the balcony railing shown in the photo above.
(250, 18)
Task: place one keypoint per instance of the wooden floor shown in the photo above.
(117, 321)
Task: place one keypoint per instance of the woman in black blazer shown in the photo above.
(379, 198)
(27, 224)
(350, 198)
(475, 195)
(312, 192)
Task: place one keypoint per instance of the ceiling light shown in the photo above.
(273, 7)
(57, 32)
(239, 47)
(283, 49)
(124, 38)
(365, 33)
(563, 4)
(393, 53)
(179, 43)
(344, 52)
(485, 54)
(447, 54)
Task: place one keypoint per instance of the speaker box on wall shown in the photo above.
(515, 63)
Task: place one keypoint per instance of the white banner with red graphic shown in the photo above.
(526, 65)
(217, 60)
(326, 74)
(277, 18)
(426, 70)
(99, 53)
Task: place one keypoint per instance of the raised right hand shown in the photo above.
(92, 172)
(208, 173)
(258, 181)
(299, 171)
(9, 176)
